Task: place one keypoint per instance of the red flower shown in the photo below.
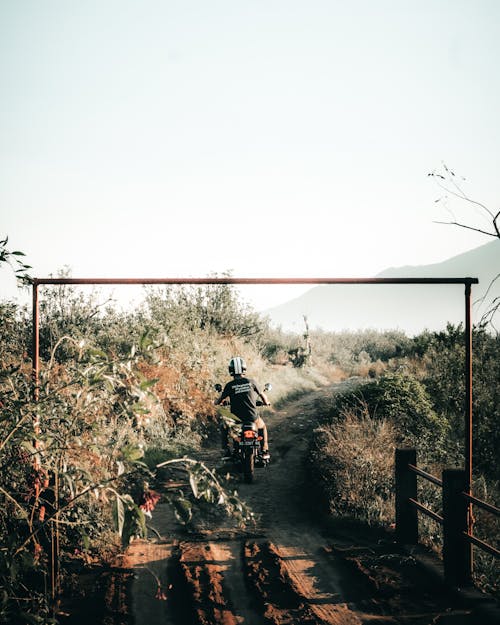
(148, 500)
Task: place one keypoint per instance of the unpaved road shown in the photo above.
(286, 569)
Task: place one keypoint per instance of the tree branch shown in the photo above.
(460, 193)
(456, 223)
(495, 224)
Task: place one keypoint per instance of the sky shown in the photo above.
(272, 138)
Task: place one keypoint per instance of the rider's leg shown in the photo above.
(224, 437)
(261, 426)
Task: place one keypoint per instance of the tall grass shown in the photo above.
(352, 467)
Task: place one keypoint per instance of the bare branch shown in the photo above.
(481, 299)
(495, 224)
(449, 184)
(455, 223)
(462, 196)
(488, 316)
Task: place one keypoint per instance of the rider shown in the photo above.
(242, 393)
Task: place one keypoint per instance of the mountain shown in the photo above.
(411, 308)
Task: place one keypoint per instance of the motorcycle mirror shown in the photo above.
(268, 387)
(218, 387)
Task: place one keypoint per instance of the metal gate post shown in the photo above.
(468, 414)
(456, 551)
(406, 489)
(35, 343)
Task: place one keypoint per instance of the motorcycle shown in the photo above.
(247, 449)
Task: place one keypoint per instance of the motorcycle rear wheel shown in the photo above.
(248, 467)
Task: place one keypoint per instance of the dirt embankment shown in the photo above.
(286, 569)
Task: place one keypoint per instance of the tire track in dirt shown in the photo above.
(287, 590)
(287, 570)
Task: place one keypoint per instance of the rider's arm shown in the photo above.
(260, 394)
(264, 399)
(220, 399)
(224, 395)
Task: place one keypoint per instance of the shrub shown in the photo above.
(444, 378)
(351, 466)
(399, 398)
(212, 308)
(353, 351)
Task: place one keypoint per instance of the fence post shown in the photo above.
(406, 488)
(457, 552)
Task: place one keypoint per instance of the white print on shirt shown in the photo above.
(242, 388)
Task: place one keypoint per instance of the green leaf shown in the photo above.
(147, 384)
(119, 515)
(142, 522)
(134, 524)
(21, 513)
(28, 447)
(194, 485)
(131, 452)
(85, 541)
(182, 510)
(145, 340)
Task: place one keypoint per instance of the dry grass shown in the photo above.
(353, 463)
(287, 381)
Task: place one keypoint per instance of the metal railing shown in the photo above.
(455, 520)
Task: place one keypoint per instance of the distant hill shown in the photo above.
(411, 308)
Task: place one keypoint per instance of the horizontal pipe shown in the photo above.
(424, 474)
(481, 544)
(482, 504)
(228, 280)
(427, 511)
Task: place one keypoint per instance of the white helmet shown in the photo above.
(237, 366)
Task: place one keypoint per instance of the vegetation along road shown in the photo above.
(124, 408)
(287, 567)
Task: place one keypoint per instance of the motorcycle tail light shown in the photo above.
(248, 434)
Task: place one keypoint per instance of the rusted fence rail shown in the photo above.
(457, 538)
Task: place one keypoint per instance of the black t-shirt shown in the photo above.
(242, 393)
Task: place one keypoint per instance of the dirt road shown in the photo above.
(287, 569)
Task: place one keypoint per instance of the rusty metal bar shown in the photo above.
(424, 474)
(427, 511)
(468, 413)
(263, 281)
(468, 388)
(482, 504)
(481, 544)
(35, 346)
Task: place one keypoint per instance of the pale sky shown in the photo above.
(143, 138)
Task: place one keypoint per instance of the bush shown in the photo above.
(212, 308)
(445, 380)
(356, 351)
(351, 466)
(396, 397)
(14, 334)
(352, 453)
